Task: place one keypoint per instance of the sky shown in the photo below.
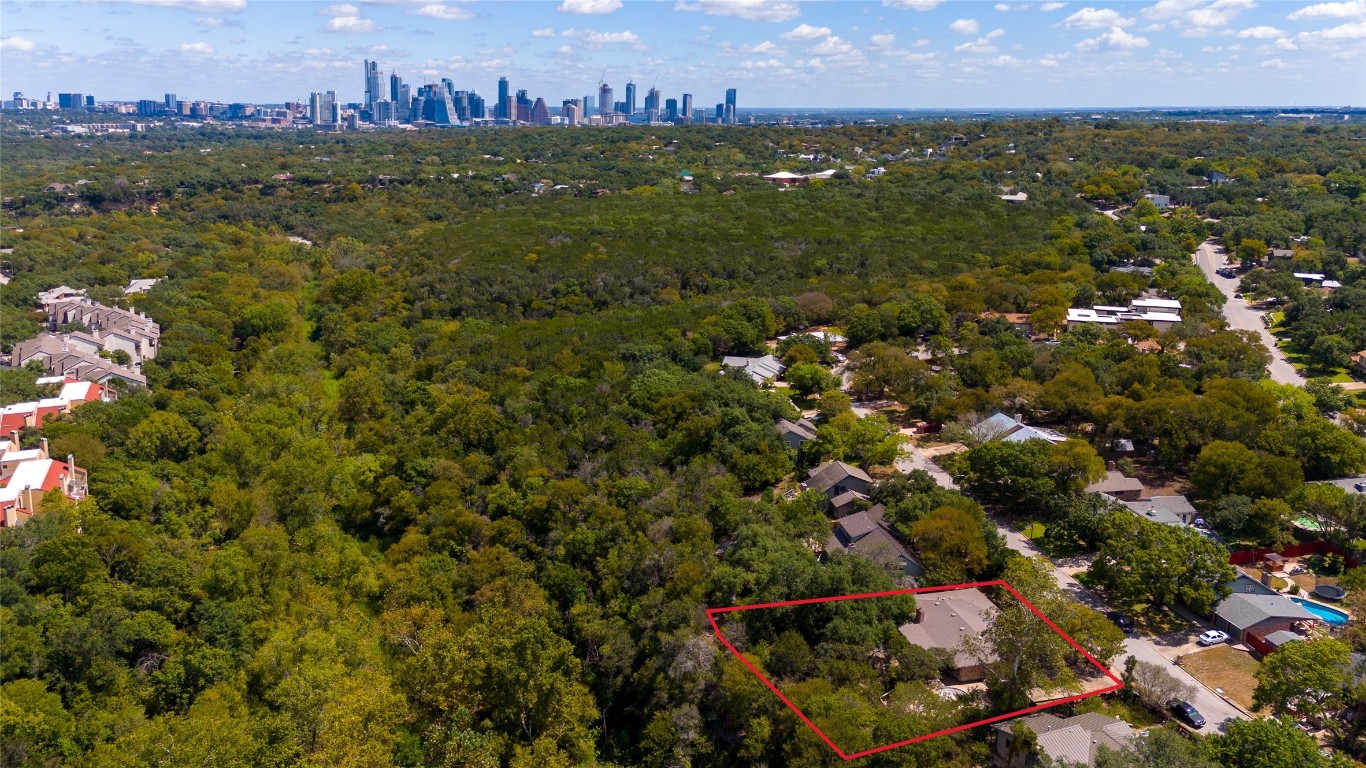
(901, 54)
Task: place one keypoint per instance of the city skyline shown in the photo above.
(889, 54)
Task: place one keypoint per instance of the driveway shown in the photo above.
(1240, 316)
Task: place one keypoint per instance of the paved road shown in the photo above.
(1216, 710)
(1240, 316)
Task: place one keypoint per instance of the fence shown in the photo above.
(1252, 556)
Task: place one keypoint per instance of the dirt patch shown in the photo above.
(1225, 668)
(1159, 480)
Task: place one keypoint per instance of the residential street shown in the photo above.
(1215, 709)
(1240, 316)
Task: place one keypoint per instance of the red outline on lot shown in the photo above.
(711, 616)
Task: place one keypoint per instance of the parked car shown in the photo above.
(1187, 714)
(1123, 622)
(1360, 486)
(1213, 637)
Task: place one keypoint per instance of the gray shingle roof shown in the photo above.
(1115, 482)
(832, 473)
(1243, 611)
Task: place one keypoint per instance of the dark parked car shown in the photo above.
(1123, 622)
(1188, 714)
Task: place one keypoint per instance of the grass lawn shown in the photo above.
(1131, 712)
(1222, 668)
(1277, 583)
(1148, 618)
(1032, 530)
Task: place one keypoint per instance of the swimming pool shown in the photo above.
(1331, 615)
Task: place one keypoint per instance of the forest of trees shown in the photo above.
(435, 471)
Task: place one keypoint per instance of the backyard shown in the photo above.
(1225, 670)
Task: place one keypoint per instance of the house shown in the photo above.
(1279, 253)
(796, 433)
(23, 488)
(1116, 485)
(1161, 202)
(1359, 362)
(1020, 321)
(1015, 197)
(1310, 278)
(949, 621)
(1218, 177)
(140, 286)
(761, 369)
(1255, 606)
(999, 426)
(109, 328)
(63, 357)
(845, 503)
(835, 477)
(786, 178)
(60, 293)
(1167, 510)
(1074, 740)
(1162, 314)
(864, 533)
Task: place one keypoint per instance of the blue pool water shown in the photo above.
(1331, 615)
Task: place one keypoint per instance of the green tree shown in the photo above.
(163, 436)
(1009, 475)
(950, 544)
(808, 379)
(1074, 464)
(1308, 678)
(1266, 742)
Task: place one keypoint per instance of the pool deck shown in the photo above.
(1323, 605)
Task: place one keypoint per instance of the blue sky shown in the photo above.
(784, 53)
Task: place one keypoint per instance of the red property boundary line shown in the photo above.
(712, 613)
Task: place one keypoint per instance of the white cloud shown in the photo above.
(350, 25)
(882, 41)
(565, 49)
(913, 5)
(202, 6)
(589, 6)
(1096, 18)
(764, 64)
(543, 32)
(1346, 10)
(341, 10)
(1005, 61)
(1116, 39)
(805, 32)
(1051, 7)
(592, 39)
(443, 12)
(1285, 44)
(1048, 61)
(199, 47)
(964, 26)
(749, 10)
(208, 22)
(832, 45)
(1261, 33)
(1274, 64)
(1002, 7)
(16, 43)
(982, 44)
(1351, 31)
(1198, 15)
